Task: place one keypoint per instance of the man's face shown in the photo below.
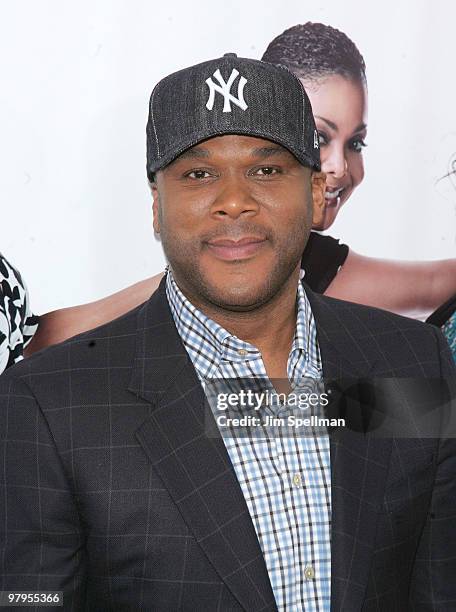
(234, 214)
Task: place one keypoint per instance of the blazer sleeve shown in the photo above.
(41, 538)
(433, 585)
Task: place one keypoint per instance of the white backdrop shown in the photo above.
(75, 82)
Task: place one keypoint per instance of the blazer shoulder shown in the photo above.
(92, 348)
(399, 343)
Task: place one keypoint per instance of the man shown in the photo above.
(113, 490)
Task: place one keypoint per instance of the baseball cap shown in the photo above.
(229, 95)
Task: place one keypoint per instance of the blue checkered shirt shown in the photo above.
(286, 481)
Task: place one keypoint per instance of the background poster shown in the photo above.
(76, 213)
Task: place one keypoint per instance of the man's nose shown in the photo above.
(335, 163)
(235, 198)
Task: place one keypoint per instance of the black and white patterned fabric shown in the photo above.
(17, 322)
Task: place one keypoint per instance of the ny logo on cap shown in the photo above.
(224, 89)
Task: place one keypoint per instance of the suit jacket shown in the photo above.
(111, 491)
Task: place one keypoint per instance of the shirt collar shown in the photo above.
(207, 343)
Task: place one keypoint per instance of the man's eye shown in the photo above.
(198, 174)
(266, 171)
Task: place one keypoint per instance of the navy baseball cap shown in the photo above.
(230, 95)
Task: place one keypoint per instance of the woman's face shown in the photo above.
(340, 109)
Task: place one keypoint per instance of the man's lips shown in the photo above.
(227, 249)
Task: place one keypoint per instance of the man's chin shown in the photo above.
(239, 297)
(236, 289)
(238, 302)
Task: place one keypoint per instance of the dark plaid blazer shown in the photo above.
(111, 492)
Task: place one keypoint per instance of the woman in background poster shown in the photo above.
(333, 73)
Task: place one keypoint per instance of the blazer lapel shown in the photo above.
(195, 467)
(198, 474)
(359, 462)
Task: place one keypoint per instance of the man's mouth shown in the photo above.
(229, 250)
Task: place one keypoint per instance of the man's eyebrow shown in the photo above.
(194, 153)
(269, 151)
(333, 126)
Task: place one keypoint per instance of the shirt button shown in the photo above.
(309, 573)
(297, 480)
(242, 352)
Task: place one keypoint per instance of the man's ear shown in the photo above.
(318, 180)
(155, 207)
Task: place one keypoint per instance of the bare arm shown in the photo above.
(413, 289)
(59, 325)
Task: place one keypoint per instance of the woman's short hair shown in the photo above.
(314, 50)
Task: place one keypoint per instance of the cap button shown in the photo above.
(230, 55)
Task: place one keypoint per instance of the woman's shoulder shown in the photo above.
(322, 259)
